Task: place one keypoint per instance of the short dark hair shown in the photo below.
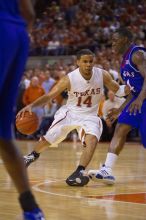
(124, 32)
(84, 52)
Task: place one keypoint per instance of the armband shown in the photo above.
(121, 91)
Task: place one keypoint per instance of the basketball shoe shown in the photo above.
(78, 178)
(36, 214)
(30, 158)
(104, 174)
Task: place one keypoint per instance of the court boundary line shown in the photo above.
(37, 189)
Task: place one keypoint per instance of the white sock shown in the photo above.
(111, 160)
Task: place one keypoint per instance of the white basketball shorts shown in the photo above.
(65, 121)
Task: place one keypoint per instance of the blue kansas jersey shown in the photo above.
(129, 72)
(131, 75)
(14, 45)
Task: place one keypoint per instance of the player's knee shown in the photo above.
(92, 141)
(121, 130)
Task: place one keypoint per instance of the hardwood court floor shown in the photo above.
(126, 200)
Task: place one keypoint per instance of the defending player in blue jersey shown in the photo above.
(14, 45)
(133, 111)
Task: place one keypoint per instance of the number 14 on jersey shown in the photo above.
(87, 101)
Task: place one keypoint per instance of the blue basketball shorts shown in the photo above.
(14, 45)
(136, 121)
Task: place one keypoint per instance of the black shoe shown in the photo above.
(30, 158)
(77, 179)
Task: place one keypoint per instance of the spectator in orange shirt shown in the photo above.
(33, 92)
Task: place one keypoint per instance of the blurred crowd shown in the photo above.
(64, 26)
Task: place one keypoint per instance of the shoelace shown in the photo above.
(29, 157)
(104, 172)
(84, 172)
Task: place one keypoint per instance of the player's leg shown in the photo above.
(55, 134)
(88, 151)
(142, 126)
(13, 73)
(125, 124)
(79, 177)
(9, 152)
(14, 164)
(119, 138)
(41, 146)
(89, 133)
(116, 145)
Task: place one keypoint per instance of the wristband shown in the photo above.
(121, 91)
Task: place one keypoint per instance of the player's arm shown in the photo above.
(120, 91)
(111, 84)
(62, 85)
(139, 59)
(27, 11)
(115, 112)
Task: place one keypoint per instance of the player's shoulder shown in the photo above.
(137, 49)
(73, 73)
(98, 71)
(96, 68)
(138, 54)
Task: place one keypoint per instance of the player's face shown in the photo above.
(118, 43)
(86, 63)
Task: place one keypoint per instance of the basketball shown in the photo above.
(27, 124)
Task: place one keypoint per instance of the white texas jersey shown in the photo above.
(84, 95)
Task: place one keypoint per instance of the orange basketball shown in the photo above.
(28, 124)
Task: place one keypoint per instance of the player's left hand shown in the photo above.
(135, 106)
(113, 114)
(21, 113)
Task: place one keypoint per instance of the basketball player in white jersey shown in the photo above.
(85, 88)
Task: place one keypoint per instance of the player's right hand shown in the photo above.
(113, 114)
(135, 106)
(21, 113)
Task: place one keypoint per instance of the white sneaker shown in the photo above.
(103, 175)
